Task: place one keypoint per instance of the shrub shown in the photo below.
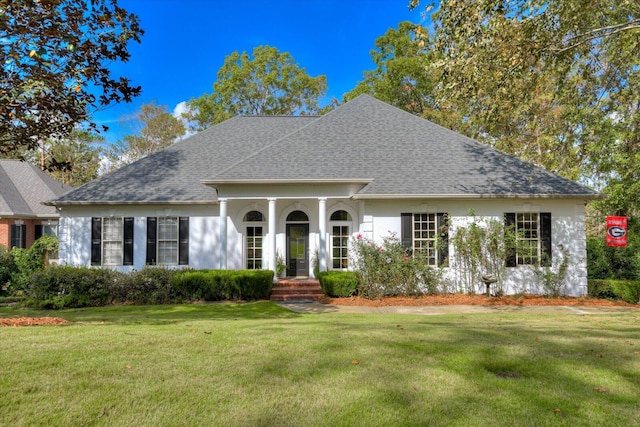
(388, 269)
(218, 285)
(64, 286)
(8, 267)
(151, 285)
(626, 290)
(24, 262)
(339, 283)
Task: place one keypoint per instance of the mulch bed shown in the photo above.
(32, 321)
(463, 299)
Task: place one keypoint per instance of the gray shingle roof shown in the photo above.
(364, 139)
(23, 188)
(173, 175)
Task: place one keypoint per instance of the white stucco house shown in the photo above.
(253, 188)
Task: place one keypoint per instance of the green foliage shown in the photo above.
(219, 285)
(388, 269)
(7, 268)
(151, 285)
(482, 248)
(622, 263)
(155, 130)
(554, 279)
(626, 290)
(21, 263)
(74, 160)
(270, 83)
(57, 66)
(64, 287)
(339, 283)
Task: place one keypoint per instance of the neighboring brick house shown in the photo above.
(23, 217)
(255, 189)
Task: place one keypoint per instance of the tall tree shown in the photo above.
(270, 83)
(80, 155)
(155, 129)
(54, 57)
(552, 81)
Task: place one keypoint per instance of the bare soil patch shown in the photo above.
(464, 299)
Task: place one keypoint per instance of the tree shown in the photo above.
(270, 83)
(157, 129)
(552, 81)
(54, 56)
(79, 154)
(402, 76)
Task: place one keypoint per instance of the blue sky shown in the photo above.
(186, 41)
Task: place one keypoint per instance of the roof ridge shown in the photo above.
(269, 145)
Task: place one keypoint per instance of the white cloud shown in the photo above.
(178, 111)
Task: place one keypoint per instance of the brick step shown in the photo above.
(296, 289)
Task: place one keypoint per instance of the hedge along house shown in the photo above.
(252, 190)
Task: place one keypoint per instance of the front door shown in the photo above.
(297, 253)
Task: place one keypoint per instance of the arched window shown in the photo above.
(297, 216)
(340, 216)
(254, 240)
(254, 216)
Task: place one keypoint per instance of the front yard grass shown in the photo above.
(257, 364)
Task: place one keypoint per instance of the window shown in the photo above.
(340, 234)
(46, 229)
(18, 235)
(254, 240)
(112, 241)
(532, 231)
(426, 234)
(112, 234)
(167, 240)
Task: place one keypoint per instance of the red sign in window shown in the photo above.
(616, 231)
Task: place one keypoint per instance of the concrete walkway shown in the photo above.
(316, 307)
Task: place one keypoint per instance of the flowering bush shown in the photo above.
(391, 269)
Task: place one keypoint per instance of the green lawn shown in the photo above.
(257, 364)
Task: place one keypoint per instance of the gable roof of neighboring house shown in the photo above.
(23, 188)
(394, 154)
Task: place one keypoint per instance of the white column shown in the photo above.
(223, 234)
(271, 241)
(322, 230)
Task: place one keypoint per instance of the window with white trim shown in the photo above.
(112, 241)
(532, 235)
(340, 234)
(426, 234)
(167, 240)
(254, 240)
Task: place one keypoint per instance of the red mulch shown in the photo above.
(32, 321)
(463, 299)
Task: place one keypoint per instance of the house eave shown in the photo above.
(127, 202)
(214, 182)
(478, 196)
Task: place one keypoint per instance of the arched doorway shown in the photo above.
(297, 244)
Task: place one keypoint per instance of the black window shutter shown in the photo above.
(510, 224)
(23, 235)
(545, 241)
(96, 241)
(443, 238)
(38, 233)
(406, 230)
(183, 241)
(15, 236)
(127, 258)
(152, 230)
